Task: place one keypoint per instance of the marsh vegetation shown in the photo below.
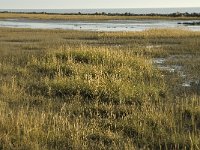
(98, 90)
(97, 17)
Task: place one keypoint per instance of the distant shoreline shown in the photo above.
(177, 14)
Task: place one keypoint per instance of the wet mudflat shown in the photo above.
(174, 66)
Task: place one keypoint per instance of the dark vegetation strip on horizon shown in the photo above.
(176, 14)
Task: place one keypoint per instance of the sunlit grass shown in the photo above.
(87, 17)
(93, 90)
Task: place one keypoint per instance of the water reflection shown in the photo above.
(111, 25)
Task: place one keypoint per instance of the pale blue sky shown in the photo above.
(76, 4)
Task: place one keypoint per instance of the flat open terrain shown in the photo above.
(86, 17)
(97, 90)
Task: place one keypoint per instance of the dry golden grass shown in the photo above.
(86, 17)
(102, 93)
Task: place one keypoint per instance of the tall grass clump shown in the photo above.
(94, 74)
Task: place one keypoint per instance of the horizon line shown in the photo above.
(105, 8)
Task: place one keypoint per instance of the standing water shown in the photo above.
(110, 25)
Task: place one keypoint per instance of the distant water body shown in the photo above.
(121, 10)
(108, 25)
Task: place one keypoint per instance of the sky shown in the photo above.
(87, 4)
